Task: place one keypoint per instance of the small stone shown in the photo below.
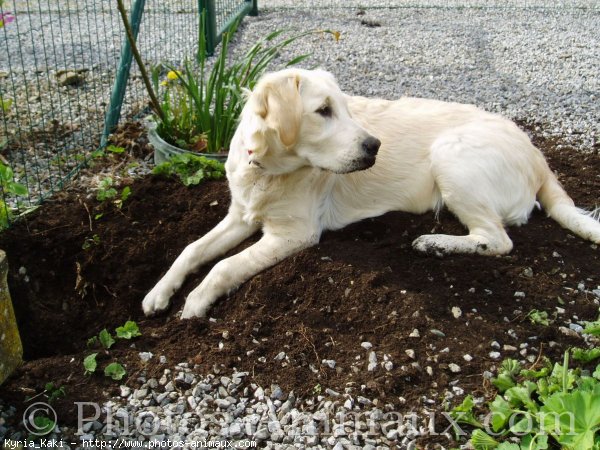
(366, 345)
(69, 78)
(410, 353)
(372, 362)
(279, 356)
(576, 328)
(437, 332)
(495, 355)
(125, 391)
(145, 356)
(329, 363)
(456, 312)
(569, 332)
(467, 357)
(388, 365)
(454, 368)
(528, 272)
(429, 370)
(509, 348)
(414, 333)
(495, 345)
(222, 403)
(519, 294)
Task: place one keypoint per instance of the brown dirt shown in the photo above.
(363, 283)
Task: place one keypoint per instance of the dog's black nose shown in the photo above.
(371, 145)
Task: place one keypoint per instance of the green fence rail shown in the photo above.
(66, 78)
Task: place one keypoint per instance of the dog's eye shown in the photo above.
(325, 111)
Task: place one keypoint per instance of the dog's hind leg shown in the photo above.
(486, 237)
(485, 186)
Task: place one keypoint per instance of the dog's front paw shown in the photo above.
(155, 301)
(197, 304)
(429, 245)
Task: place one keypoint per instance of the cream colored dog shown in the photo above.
(307, 158)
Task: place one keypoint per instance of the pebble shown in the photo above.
(437, 332)
(456, 312)
(495, 355)
(454, 368)
(145, 356)
(329, 363)
(372, 362)
(414, 333)
(366, 345)
(467, 357)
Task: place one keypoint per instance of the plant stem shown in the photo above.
(138, 60)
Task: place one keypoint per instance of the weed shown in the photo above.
(53, 392)
(191, 169)
(547, 407)
(115, 370)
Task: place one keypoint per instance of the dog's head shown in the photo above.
(296, 118)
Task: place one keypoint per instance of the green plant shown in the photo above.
(90, 364)
(539, 317)
(115, 370)
(191, 169)
(53, 392)
(199, 107)
(90, 242)
(551, 406)
(128, 331)
(8, 186)
(107, 191)
(106, 339)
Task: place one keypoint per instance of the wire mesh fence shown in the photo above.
(58, 62)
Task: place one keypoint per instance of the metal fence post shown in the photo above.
(120, 86)
(254, 10)
(210, 26)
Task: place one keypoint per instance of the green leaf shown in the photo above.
(573, 418)
(508, 446)
(521, 396)
(596, 373)
(586, 355)
(501, 412)
(17, 188)
(43, 425)
(483, 441)
(463, 413)
(106, 339)
(125, 193)
(592, 328)
(115, 370)
(503, 382)
(115, 149)
(534, 442)
(128, 331)
(90, 364)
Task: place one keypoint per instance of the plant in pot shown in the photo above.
(200, 103)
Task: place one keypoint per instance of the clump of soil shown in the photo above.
(73, 275)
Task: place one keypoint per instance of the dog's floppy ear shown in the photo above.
(280, 105)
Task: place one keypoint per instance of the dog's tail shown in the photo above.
(560, 207)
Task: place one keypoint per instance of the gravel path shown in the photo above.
(534, 64)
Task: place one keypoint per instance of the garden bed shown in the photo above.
(361, 284)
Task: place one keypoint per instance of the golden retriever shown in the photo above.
(306, 158)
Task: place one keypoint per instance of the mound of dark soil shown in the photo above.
(73, 275)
